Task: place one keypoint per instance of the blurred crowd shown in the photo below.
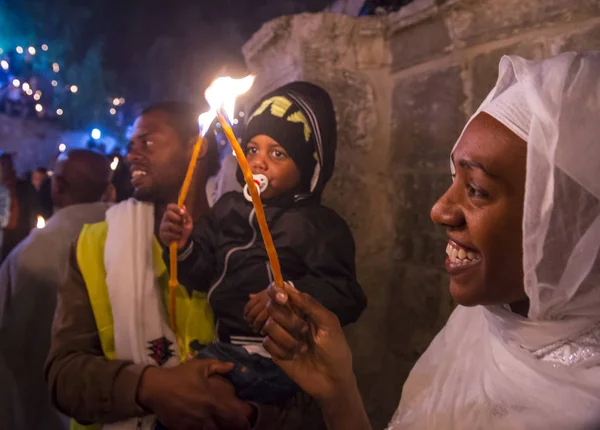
(27, 202)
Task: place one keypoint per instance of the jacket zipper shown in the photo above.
(230, 253)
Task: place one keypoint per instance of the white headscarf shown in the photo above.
(490, 368)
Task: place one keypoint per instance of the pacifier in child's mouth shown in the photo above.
(261, 183)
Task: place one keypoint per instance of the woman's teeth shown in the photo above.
(137, 173)
(459, 255)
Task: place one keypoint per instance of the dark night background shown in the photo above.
(142, 50)
(150, 49)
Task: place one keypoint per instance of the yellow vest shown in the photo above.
(194, 317)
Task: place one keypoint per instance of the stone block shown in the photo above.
(582, 40)
(427, 118)
(417, 43)
(478, 21)
(355, 104)
(328, 50)
(417, 239)
(341, 195)
(420, 304)
(370, 43)
(365, 336)
(425, 247)
(415, 194)
(484, 67)
(381, 391)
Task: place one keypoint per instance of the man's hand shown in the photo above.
(255, 311)
(188, 397)
(176, 226)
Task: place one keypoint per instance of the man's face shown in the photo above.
(157, 158)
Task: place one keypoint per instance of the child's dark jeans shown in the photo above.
(255, 378)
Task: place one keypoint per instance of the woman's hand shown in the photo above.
(307, 342)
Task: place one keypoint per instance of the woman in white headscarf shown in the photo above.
(522, 349)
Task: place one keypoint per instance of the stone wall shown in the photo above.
(404, 85)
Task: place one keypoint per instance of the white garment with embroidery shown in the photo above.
(490, 368)
(139, 315)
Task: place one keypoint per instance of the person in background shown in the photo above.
(24, 205)
(27, 176)
(45, 198)
(121, 179)
(29, 280)
(38, 176)
(4, 209)
(522, 216)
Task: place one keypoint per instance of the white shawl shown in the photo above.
(141, 329)
(482, 371)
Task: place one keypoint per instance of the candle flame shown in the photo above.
(221, 94)
(205, 120)
(41, 222)
(114, 164)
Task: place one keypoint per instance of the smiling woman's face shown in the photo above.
(482, 212)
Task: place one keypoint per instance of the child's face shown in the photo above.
(267, 157)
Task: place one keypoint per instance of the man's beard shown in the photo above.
(147, 195)
(154, 195)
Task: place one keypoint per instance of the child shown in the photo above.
(289, 142)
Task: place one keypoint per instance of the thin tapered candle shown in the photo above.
(173, 282)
